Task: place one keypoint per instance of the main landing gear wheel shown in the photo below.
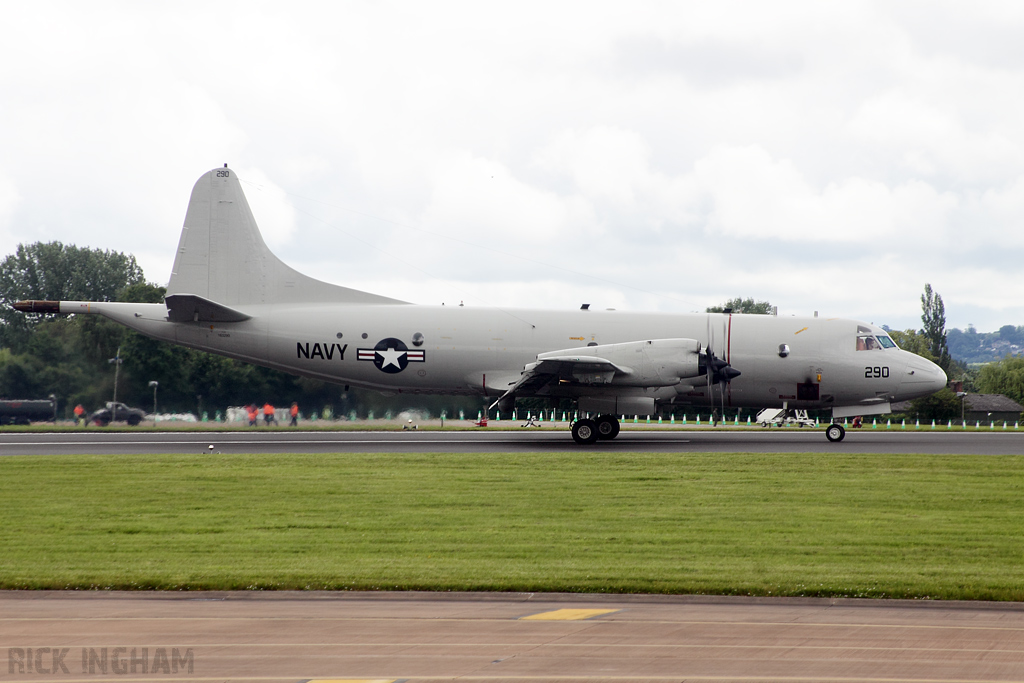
(835, 432)
(584, 432)
(607, 427)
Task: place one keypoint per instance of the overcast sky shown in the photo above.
(829, 157)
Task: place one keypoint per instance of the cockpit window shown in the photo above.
(868, 343)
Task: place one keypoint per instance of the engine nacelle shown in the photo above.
(650, 363)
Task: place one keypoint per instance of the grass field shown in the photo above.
(759, 524)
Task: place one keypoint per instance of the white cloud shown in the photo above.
(830, 157)
(9, 199)
(270, 206)
(480, 200)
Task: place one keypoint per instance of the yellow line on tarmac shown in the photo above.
(568, 614)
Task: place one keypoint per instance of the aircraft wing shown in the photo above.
(186, 308)
(648, 363)
(561, 368)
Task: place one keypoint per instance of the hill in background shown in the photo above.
(970, 346)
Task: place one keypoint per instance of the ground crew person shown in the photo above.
(268, 413)
(253, 414)
(80, 415)
(295, 415)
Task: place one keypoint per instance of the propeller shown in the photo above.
(718, 370)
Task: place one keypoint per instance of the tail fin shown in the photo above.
(222, 256)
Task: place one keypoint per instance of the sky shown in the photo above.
(645, 156)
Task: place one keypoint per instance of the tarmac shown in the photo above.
(289, 636)
(553, 438)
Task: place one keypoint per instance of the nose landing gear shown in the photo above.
(835, 432)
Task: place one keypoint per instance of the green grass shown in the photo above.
(759, 524)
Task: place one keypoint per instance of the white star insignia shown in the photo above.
(391, 357)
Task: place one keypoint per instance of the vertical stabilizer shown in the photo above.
(222, 256)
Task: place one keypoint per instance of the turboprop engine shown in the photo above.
(650, 363)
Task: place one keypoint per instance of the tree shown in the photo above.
(942, 405)
(1004, 377)
(741, 305)
(933, 315)
(1011, 334)
(913, 341)
(53, 271)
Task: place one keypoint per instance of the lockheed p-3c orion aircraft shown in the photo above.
(228, 294)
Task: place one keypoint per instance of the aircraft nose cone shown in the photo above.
(923, 377)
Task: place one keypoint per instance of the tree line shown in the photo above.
(69, 356)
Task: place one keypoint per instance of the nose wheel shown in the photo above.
(835, 432)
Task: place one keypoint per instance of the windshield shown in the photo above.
(886, 342)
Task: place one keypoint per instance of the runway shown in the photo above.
(938, 442)
(502, 637)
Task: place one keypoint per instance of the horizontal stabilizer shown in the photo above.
(186, 308)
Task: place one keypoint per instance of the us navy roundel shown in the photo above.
(391, 355)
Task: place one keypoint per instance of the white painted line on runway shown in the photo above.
(218, 442)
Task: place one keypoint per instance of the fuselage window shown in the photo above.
(886, 342)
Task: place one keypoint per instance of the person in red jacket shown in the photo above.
(268, 413)
(294, 412)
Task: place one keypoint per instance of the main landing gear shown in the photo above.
(586, 431)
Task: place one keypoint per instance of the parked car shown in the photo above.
(115, 412)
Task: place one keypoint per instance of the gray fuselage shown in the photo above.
(794, 361)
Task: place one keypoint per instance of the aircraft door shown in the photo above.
(807, 391)
(810, 388)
